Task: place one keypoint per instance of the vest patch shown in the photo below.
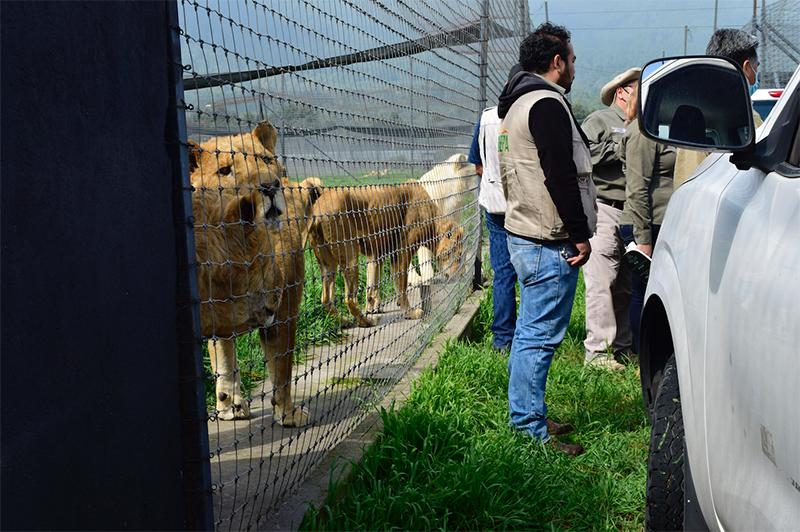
(502, 142)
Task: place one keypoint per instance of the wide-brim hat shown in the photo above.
(607, 94)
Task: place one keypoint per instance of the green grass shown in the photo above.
(391, 176)
(447, 460)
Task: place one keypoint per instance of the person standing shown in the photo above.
(491, 198)
(649, 167)
(608, 282)
(546, 166)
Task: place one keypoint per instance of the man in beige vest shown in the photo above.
(546, 170)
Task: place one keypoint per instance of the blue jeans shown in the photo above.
(547, 290)
(638, 287)
(504, 283)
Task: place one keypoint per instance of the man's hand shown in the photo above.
(584, 250)
(647, 249)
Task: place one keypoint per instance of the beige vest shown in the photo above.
(530, 210)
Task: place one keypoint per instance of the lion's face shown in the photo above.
(243, 161)
(449, 250)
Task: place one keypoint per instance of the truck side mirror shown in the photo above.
(697, 102)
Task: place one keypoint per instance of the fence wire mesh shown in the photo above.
(778, 29)
(328, 146)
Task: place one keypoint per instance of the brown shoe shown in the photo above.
(572, 449)
(558, 429)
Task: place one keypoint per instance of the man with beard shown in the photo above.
(546, 169)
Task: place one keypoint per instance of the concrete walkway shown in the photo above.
(257, 464)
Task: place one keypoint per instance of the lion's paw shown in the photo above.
(298, 417)
(414, 314)
(228, 410)
(372, 306)
(365, 321)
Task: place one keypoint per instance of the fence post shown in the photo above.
(484, 56)
(477, 279)
(525, 18)
(196, 468)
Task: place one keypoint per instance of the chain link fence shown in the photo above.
(778, 29)
(365, 110)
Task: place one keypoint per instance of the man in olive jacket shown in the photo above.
(545, 167)
(608, 282)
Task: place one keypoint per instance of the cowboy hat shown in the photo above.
(607, 94)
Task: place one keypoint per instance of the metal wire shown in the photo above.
(363, 96)
(778, 29)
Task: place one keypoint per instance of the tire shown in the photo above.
(665, 463)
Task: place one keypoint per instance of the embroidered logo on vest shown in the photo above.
(502, 141)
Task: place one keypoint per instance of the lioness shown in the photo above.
(239, 286)
(378, 221)
(249, 161)
(279, 340)
(446, 183)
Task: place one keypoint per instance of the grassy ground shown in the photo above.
(446, 459)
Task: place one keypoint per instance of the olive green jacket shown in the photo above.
(604, 129)
(649, 168)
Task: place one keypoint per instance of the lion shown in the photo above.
(279, 339)
(446, 184)
(245, 160)
(378, 221)
(231, 163)
(239, 286)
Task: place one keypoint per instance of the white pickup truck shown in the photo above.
(720, 334)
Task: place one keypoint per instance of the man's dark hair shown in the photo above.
(734, 43)
(540, 47)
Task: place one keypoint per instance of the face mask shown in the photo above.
(754, 87)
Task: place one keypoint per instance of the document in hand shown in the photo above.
(637, 262)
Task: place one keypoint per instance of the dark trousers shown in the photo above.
(638, 287)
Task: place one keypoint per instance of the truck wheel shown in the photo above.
(665, 463)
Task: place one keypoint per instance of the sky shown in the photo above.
(610, 16)
(610, 37)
